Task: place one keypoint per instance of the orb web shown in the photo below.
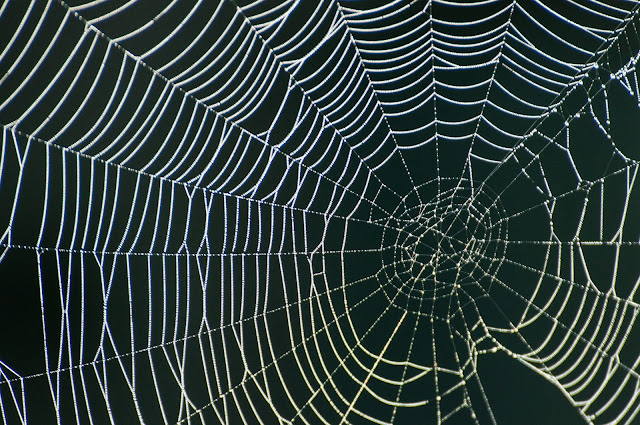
(339, 212)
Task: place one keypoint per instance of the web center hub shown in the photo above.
(452, 244)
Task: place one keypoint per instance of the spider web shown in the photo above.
(285, 212)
